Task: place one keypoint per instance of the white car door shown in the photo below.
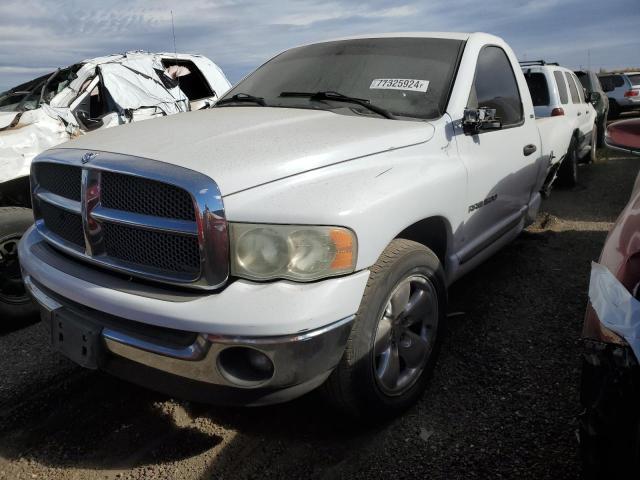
(579, 112)
(588, 113)
(499, 163)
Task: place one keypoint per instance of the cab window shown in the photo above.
(495, 86)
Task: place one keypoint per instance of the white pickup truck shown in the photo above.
(301, 233)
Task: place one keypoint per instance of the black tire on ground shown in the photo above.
(591, 156)
(602, 126)
(614, 110)
(15, 303)
(360, 386)
(568, 171)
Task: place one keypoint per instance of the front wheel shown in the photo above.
(396, 335)
(15, 303)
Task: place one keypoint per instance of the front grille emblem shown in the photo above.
(87, 157)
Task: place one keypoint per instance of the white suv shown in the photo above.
(556, 91)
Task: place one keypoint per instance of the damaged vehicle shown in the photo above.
(62, 105)
(610, 386)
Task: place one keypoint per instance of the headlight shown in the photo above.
(295, 252)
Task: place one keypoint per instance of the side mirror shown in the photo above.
(480, 119)
(87, 122)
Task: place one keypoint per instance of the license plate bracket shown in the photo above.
(77, 338)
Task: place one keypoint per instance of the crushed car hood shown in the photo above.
(242, 147)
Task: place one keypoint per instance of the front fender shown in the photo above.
(377, 196)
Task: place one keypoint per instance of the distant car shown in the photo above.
(623, 90)
(598, 98)
(610, 386)
(556, 91)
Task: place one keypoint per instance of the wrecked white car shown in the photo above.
(97, 93)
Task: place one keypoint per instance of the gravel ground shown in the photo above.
(501, 404)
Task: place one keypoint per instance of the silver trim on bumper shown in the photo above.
(297, 358)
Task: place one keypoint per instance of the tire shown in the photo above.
(363, 384)
(16, 304)
(614, 110)
(592, 155)
(602, 126)
(568, 171)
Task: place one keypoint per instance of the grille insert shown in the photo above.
(67, 226)
(144, 196)
(63, 180)
(159, 250)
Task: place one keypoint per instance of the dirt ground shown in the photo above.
(502, 402)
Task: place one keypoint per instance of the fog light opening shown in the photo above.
(244, 366)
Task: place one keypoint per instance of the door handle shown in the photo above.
(579, 113)
(529, 149)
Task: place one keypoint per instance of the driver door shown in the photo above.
(500, 163)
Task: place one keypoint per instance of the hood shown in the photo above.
(242, 147)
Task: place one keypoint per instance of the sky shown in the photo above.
(36, 36)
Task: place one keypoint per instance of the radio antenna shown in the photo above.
(175, 52)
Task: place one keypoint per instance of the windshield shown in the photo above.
(409, 77)
(27, 96)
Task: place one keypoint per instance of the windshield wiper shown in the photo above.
(339, 97)
(242, 98)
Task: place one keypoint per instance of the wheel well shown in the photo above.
(431, 232)
(15, 193)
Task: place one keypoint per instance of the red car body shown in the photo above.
(610, 387)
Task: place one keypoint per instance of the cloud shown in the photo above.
(37, 35)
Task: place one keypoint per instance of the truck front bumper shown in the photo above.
(252, 364)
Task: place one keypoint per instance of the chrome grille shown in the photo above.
(137, 216)
(148, 197)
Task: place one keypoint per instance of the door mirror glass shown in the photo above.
(480, 119)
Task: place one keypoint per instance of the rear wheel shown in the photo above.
(614, 110)
(592, 155)
(395, 337)
(568, 172)
(602, 126)
(15, 302)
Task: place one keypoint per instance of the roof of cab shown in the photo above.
(479, 36)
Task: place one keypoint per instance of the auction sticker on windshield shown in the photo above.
(399, 84)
